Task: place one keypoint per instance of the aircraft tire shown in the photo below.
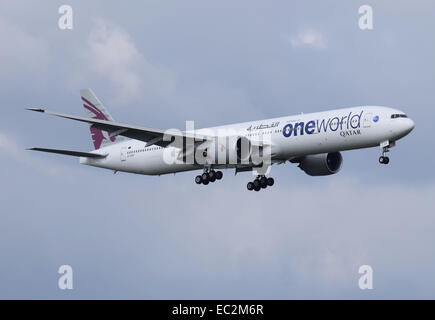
(263, 182)
(219, 175)
(212, 175)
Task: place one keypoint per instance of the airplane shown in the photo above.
(314, 141)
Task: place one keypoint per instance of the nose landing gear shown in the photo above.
(384, 159)
(208, 176)
(261, 182)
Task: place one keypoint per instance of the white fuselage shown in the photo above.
(290, 137)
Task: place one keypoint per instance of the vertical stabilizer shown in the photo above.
(94, 109)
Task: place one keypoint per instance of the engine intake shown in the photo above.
(321, 164)
(243, 149)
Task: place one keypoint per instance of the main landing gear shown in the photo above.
(261, 182)
(384, 159)
(208, 176)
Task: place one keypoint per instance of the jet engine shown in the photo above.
(321, 164)
(243, 149)
(227, 150)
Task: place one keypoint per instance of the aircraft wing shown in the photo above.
(147, 135)
(71, 153)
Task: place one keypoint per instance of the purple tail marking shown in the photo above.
(97, 134)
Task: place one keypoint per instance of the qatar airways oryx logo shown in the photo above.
(97, 135)
(347, 125)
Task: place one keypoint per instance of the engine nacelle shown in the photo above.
(243, 149)
(321, 164)
(228, 150)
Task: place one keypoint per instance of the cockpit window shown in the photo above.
(394, 116)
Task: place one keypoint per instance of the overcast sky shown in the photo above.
(159, 63)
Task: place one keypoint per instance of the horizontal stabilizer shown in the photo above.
(71, 153)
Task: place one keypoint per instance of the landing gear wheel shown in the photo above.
(219, 175)
(205, 177)
(205, 182)
(212, 175)
(384, 160)
(198, 179)
(263, 182)
(260, 182)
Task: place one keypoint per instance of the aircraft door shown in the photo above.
(367, 120)
(123, 154)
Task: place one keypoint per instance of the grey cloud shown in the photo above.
(309, 38)
(112, 54)
(15, 154)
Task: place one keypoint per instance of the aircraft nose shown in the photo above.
(409, 126)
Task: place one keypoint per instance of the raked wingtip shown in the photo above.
(36, 109)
